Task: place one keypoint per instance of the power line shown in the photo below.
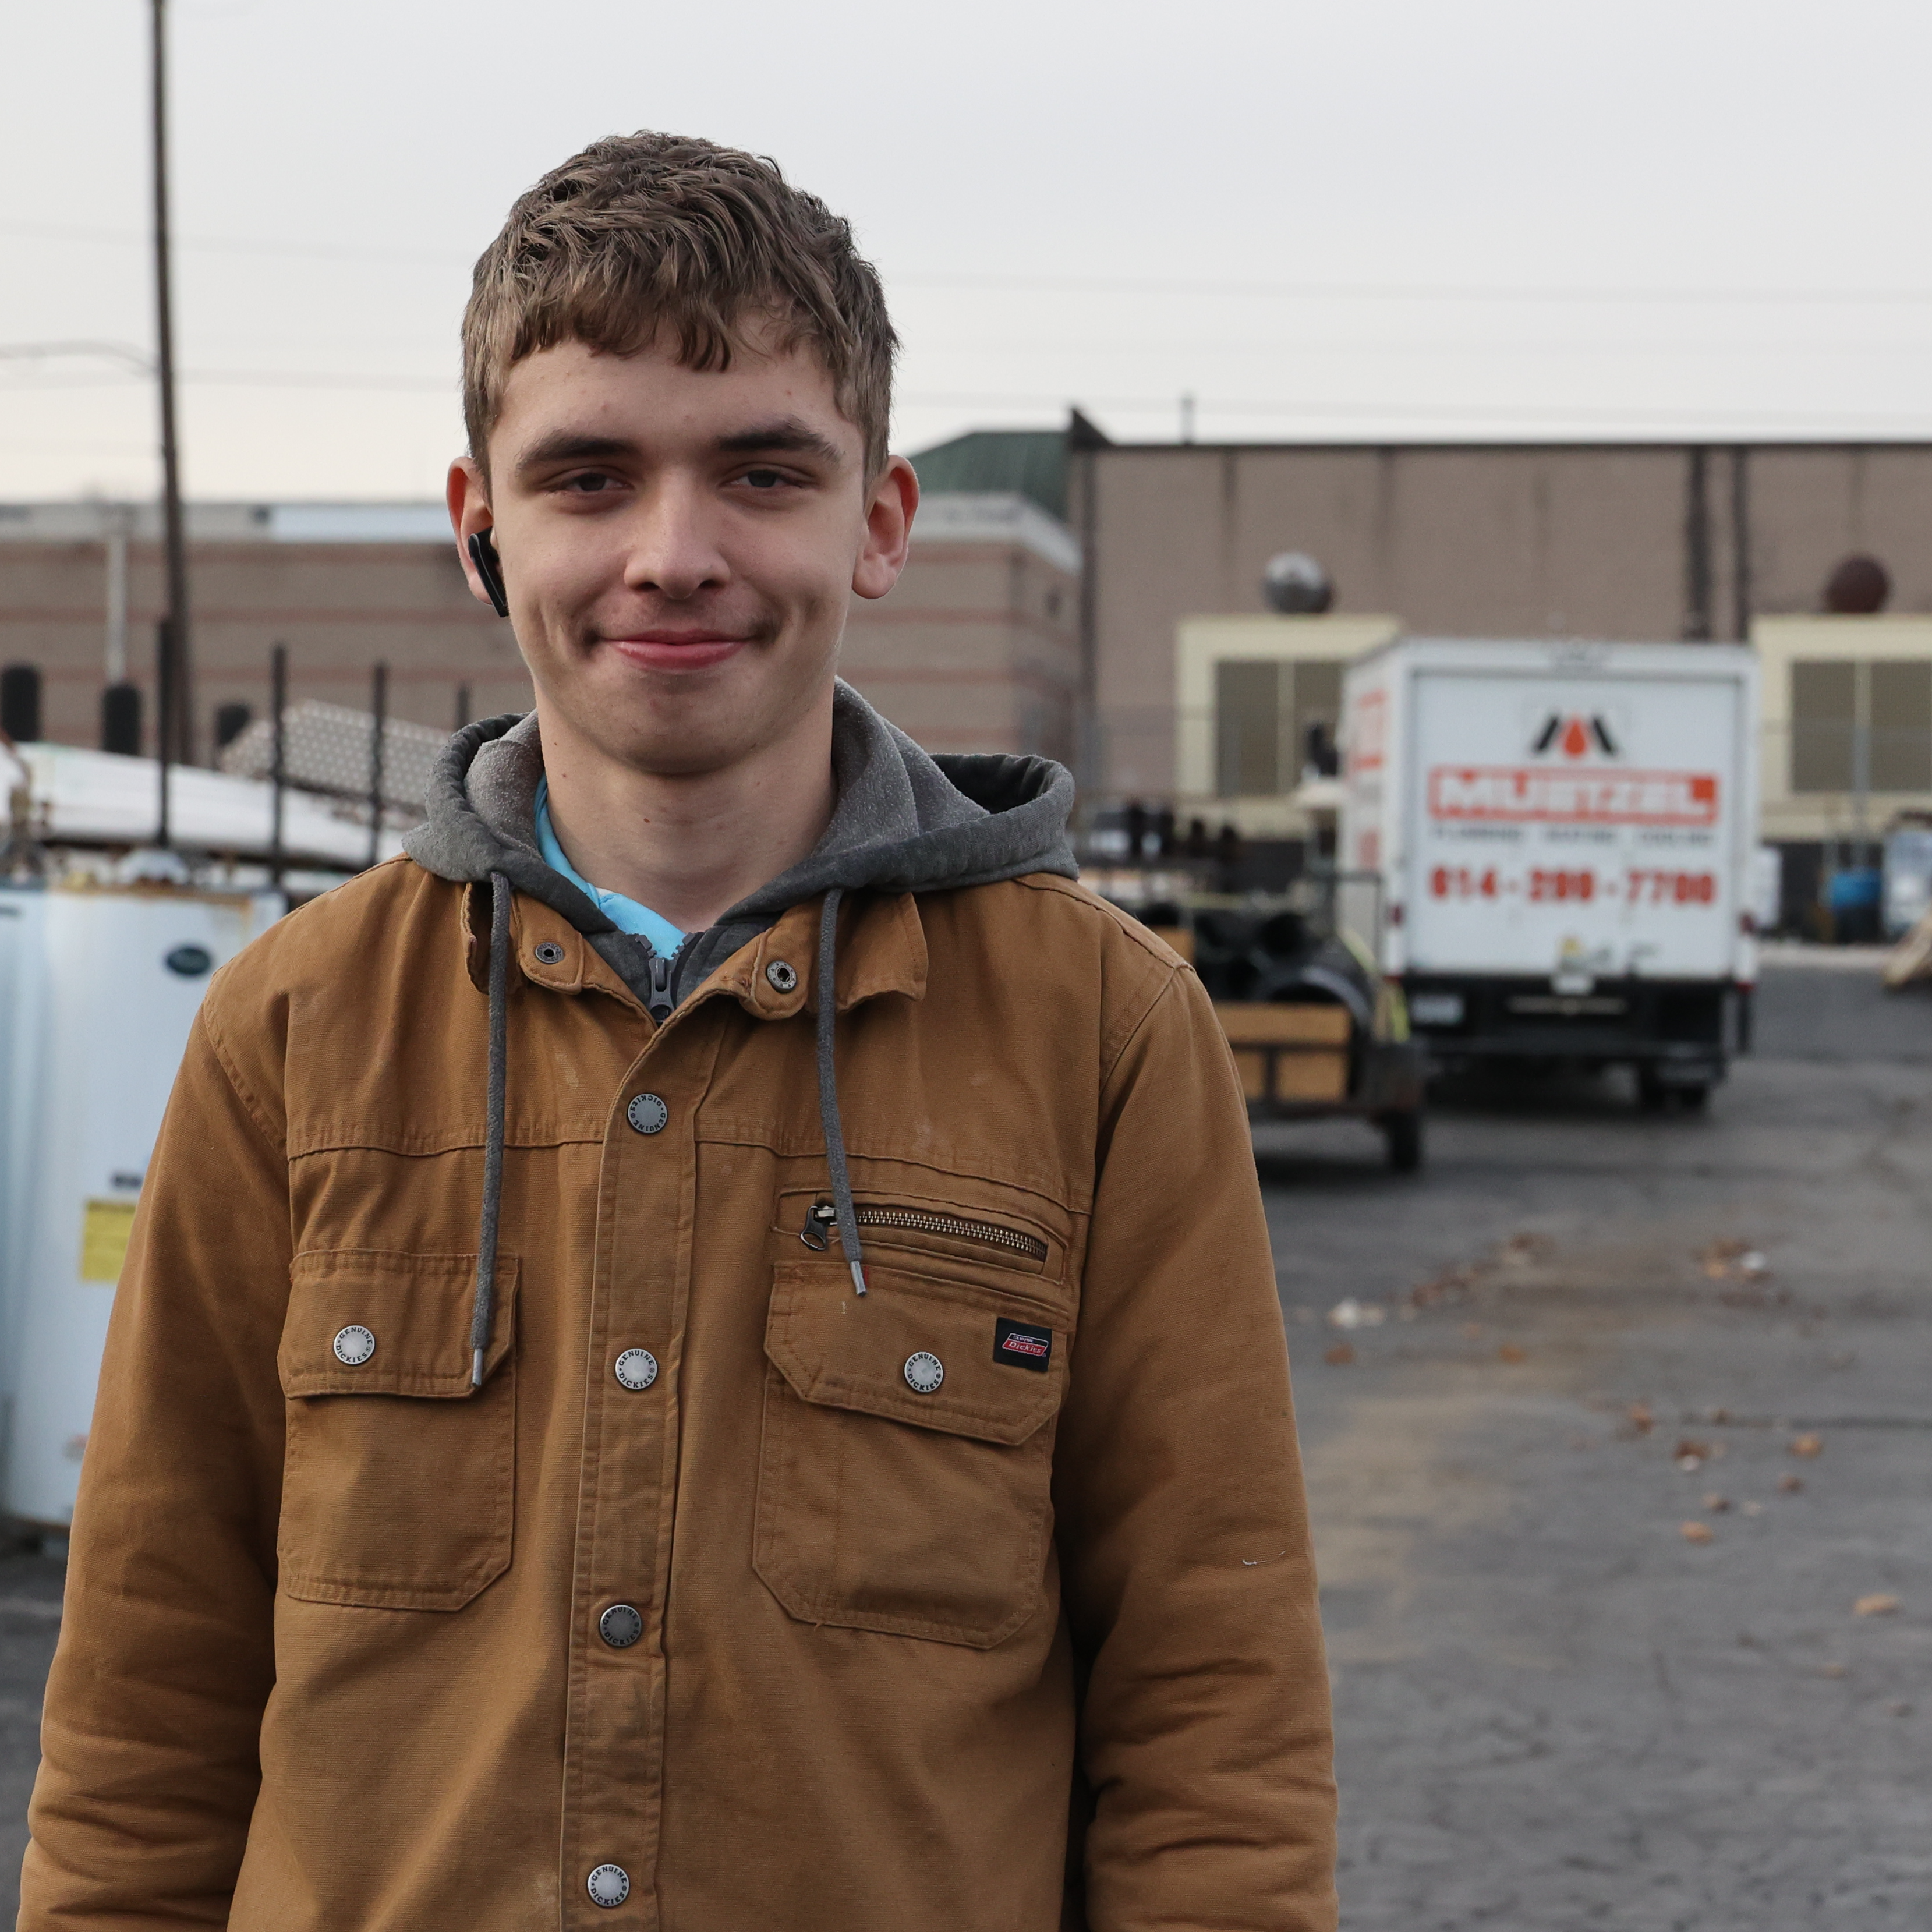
(42, 231)
(1404, 291)
(1072, 284)
(1823, 421)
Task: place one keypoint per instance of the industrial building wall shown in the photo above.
(974, 650)
(340, 608)
(1633, 543)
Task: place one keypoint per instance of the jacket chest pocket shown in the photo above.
(905, 1480)
(398, 1483)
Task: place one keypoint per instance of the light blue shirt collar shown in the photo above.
(626, 915)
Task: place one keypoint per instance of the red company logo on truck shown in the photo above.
(1560, 795)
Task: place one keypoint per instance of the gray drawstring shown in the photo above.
(492, 1131)
(828, 1087)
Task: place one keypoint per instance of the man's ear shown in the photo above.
(893, 502)
(467, 492)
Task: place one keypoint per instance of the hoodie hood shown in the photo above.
(904, 822)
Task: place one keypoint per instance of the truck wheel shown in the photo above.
(1652, 1096)
(1694, 1100)
(1403, 1132)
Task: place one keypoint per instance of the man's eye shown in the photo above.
(765, 479)
(592, 485)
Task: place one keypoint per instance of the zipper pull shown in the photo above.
(821, 1223)
(661, 1002)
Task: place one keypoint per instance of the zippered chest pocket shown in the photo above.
(904, 1226)
(905, 1474)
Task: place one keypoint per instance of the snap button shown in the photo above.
(608, 1885)
(636, 1368)
(620, 1626)
(783, 976)
(924, 1372)
(647, 1113)
(550, 953)
(354, 1345)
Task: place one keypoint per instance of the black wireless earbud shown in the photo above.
(489, 568)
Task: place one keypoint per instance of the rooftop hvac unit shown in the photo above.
(98, 988)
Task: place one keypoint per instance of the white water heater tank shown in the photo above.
(99, 985)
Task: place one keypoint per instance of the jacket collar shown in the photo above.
(881, 949)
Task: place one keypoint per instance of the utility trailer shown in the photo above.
(1565, 833)
(1316, 1030)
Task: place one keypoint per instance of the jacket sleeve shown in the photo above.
(149, 1738)
(1188, 1579)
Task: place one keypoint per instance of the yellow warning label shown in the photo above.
(104, 1230)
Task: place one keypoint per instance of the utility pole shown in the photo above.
(175, 725)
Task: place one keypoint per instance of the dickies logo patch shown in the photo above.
(1022, 1345)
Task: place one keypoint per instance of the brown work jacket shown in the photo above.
(981, 1603)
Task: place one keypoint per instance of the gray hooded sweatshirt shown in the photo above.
(904, 822)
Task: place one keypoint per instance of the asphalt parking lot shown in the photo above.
(1576, 1331)
(1581, 1330)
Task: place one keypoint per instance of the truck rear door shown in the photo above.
(1574, 824)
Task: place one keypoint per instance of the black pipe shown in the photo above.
(380, 708)
(278, 768)
(20, 703)
(164, 700)
(121, 719)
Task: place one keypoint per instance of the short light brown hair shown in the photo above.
(648, 236)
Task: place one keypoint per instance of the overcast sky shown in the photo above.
(1364, 218)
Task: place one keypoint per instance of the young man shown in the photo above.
(700, 1352)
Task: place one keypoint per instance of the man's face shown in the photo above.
(678, 547)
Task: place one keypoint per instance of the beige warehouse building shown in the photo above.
(1101, 602)
(1629, 543)
(975, 650)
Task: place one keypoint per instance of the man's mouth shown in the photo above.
(662, 648)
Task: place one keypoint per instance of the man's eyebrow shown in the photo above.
(570, 446)
(781, 432)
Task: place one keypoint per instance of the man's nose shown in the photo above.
(674, 547)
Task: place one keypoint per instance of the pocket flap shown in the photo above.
(406, 1317)
(844, 1350)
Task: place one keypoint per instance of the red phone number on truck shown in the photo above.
(1641, 885)
(1543, 796)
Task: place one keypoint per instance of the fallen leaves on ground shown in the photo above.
(1879, 1604)
(1716, 1504)
(1732, 1261)
(1640, 1418)
(1451, 1285)
(1350, 1313)
(1807, 1445)
(1509, 1352)
(1525, 1248)
(1790, 1485)
(1340, 1356)
(1697, 1532)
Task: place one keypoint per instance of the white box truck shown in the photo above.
(1565, 835)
